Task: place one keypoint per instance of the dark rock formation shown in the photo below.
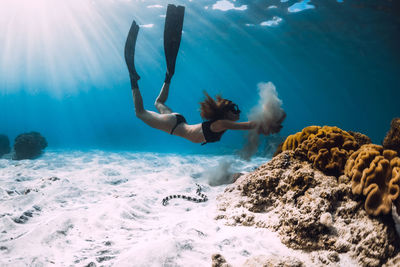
(29, 145)
(260, 260)
(310, 211)
(4, 145)
(273, 261)
(392, 139)
(219, 261)
(361, 139)
(393, 262)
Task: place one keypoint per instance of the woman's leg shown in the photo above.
(137, 100)
(161, 99)
(164, 122)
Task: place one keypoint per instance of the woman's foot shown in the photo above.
(130, 53)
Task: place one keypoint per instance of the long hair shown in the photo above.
(213, 110)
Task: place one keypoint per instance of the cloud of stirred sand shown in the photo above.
(221, 174)
(268, 113)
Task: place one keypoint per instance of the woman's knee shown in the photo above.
(160, 106)
(140, 113)
(158, 103)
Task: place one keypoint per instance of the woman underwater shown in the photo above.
(221, 115)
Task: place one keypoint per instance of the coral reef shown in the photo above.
(392, 139)
(272, 261)
(310, 211)
(327, 148)
(375, 173)
(260, 260)
(29, 145)
(361, 139)
(4, 145)
(293, 141)
(393, 262)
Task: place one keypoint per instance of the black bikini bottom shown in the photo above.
(179, 119)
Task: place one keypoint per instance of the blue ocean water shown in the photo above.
(62, 70)
(62, 73)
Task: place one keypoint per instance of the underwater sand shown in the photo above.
(71, 208)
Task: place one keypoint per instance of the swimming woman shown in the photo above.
(220, 115)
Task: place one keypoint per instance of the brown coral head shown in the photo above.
(294, 140)
(361, 139)
(358, 166)
(328, 149)
(392, 139)
(375, 173)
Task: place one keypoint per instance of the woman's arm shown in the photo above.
(222, 125)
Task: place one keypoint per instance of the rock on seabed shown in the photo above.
(311, 211)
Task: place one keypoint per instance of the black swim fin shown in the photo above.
(172, 37)
(130, 53)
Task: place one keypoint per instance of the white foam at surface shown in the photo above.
(273, 22)
(155, 6)
(225, 5)
(300, 6)
(151, 25)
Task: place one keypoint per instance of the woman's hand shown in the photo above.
(271, 129)
(256, 126)
(253, 124)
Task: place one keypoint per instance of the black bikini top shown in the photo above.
(209, 135)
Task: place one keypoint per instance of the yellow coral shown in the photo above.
(375, 173)
(294, 140)
(327, 147)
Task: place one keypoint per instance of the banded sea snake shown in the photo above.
(203, 197)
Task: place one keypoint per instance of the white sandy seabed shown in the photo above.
(96, 208)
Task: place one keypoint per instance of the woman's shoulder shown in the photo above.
(219, 125)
